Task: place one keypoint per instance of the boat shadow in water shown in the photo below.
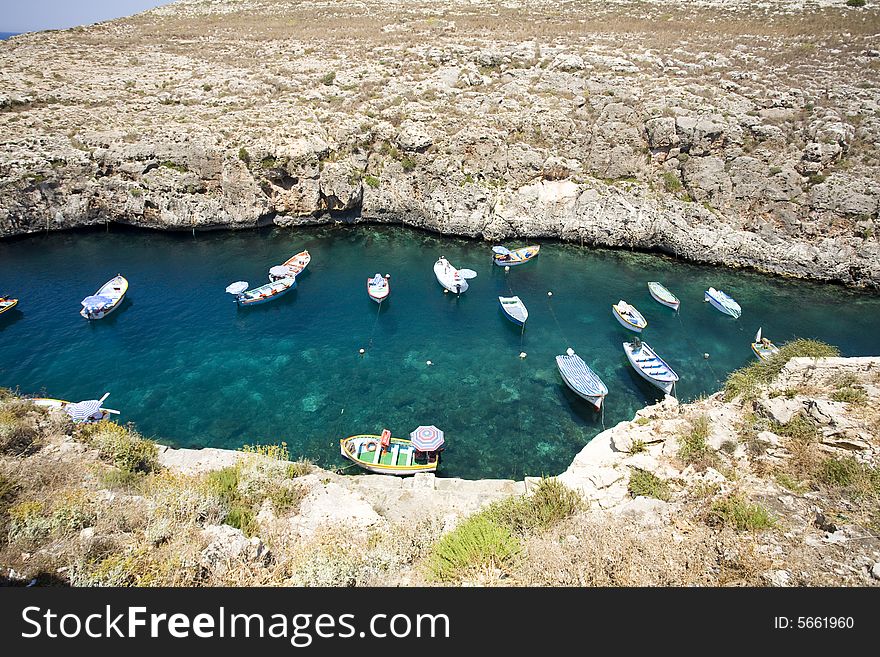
(651, 392)
(10, 317)
(580, 407)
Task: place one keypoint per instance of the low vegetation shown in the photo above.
(737, 512)
(647, 484)
(693, 449)
(745, 383)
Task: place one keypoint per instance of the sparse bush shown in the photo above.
(671, 182)
(735, 511)
(647, 484)
(277, 452)
(642, 421)
(550, 503)
(787, 481)
(18, 434)
(855, 3)
(857, 478)
(692, 447)
(729, 446)
(371, 181)
(328, 78)
(853, 395)
(478, 542)
(799, 427)
(242, 517)
(747, 381)
(408, 164)
(121, 446)
(299, 468)
(243, 155)
(637, 447)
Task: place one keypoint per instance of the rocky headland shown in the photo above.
(719, 131)
(773, 481)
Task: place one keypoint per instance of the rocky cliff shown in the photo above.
(720, 131)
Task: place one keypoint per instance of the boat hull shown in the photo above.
(667, 385)
(242, 299)
(296, 264)
(8, 306)
(517, 256)
(764, 353)
(718, 305)
(101, 314)
(446, 277)
(659, 296)
(595, 400)
(376, 293)
(591, 388)
(626, 323)
(394, 460)
(508, 311)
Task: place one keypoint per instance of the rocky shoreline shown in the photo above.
(230, 115)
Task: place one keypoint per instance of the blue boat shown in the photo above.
(583, 381)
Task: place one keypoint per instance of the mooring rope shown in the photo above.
(375, 324)
(553, 313)
(694, 347)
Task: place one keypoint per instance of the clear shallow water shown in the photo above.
(189, 368)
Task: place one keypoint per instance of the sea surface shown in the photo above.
(191, 369)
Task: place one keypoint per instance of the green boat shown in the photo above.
(396, 456)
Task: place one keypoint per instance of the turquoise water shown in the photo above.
(190, 368)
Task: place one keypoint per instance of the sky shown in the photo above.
(32, 15)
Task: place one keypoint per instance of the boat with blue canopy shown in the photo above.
(105, 300)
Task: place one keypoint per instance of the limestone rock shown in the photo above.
(227, 544)
(414, 136)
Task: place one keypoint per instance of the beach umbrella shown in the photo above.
(280, 271)
(427, 439)
(467, 273)
(238, 287)
(83, 411)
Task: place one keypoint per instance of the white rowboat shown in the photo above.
(379, 287)
(650, 366)
(723, 302)
(628, 316)
(662, 295)
(763, 348)
(105, 300)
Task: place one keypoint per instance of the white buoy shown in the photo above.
(445, 291)
(506, 267)
(427, 362)
(549, 294)
(361, 351)
(522, 354)
(706, 356)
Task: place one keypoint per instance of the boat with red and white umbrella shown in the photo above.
(383, 454)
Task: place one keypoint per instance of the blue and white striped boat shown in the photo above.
(723, 302)
(583, 381)
(650, 366)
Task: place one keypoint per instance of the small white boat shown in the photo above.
(661, 294)
(261, 294)
(763, 348)
(583, 381)
(723, 302)
(293, 266)
(452, 279)
(628, 316)
(515, 309)
(650, 366)
(7, 303)
(84, 411)
(379, 287)
(105, 300)
(505, 257)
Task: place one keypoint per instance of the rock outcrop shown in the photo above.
(719, 148)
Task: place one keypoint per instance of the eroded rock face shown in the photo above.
(703, 149)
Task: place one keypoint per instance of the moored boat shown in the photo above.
(105, 300)
(723, 302)
(84, 411)
(452, 279)
(582, 380)
(291, 267)
(386, 455)
(502, 256)
(628, 316)
(7, 303)
(763, 348)
(261, 294)
(514, 309)
(661, 294)
(650, 366)
(379, 287)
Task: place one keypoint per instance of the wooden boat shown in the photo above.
(514, 309)
(662, 295)
(397, 457)
(583, 381)
(763, 348)
(628, 316)
(93, 412)
(262, 294)
(7, 303)
(105, 300)
(293, 266)
(506, 258)
(650, 366)
(723, 302)
(452, 279)
(379, 287)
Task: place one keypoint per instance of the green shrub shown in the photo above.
(300, 468)
(371, 181)
(647, 484)
(799, 427)
(478, 542)
(408, 164)
(242, 517)
(223, 484)
(747, 381)
(692, 447)
(853, 395)
(637, 447)
(277, 452)
(550, 503)
(328, 78)
(855, 3)
(121, 446)
(787, 481)
(174, 166)
(671, 182)
(735, 511)
(243, 155)
(859, 479)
